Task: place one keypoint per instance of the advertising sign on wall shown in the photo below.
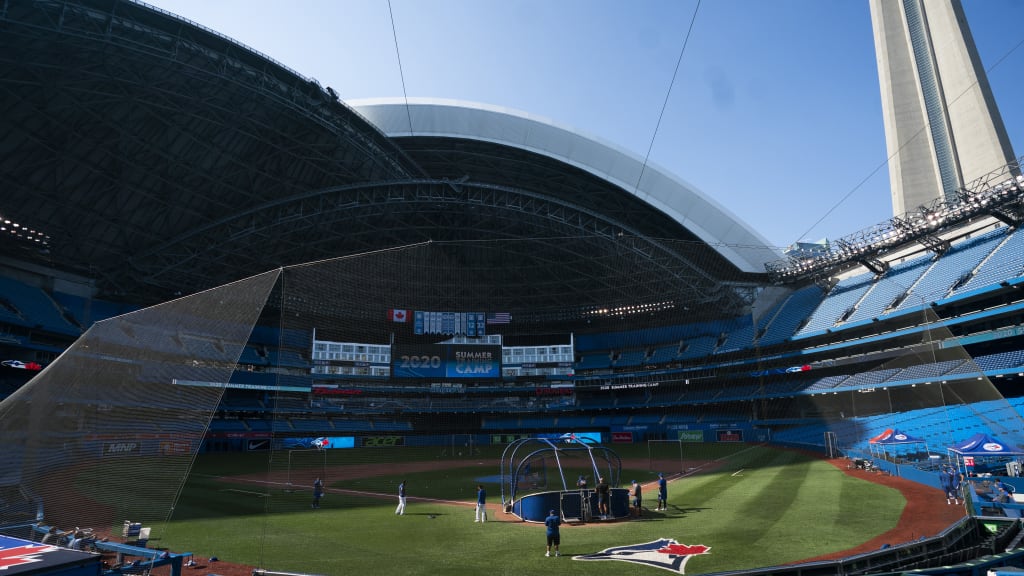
(446, 361)
(622, 437)
(383, 441)
(691, 435)
(729, 435)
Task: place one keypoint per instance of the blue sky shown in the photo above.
(774, 112)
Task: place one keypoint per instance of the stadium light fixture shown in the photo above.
(1000, 191)
(15, 230)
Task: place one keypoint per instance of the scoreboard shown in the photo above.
(480, 361)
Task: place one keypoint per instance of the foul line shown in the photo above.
(738, 472)
(250, 492)
(357, 492)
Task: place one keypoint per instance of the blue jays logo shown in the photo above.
(23, 553)
(664, 553)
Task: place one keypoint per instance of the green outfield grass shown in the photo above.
(753, 506)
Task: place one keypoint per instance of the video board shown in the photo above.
(478, 361)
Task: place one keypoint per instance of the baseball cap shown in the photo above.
(552, 511)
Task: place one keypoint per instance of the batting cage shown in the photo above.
(561, 473)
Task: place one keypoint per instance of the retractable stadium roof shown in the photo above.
(162, 158)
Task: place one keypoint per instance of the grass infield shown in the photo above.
(754, 506)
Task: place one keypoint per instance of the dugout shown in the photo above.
(540, 474)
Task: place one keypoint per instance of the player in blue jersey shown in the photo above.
(318, 492)
(662, 493)
(554, 538)
(481, 504)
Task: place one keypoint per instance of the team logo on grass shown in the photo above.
(664, 553)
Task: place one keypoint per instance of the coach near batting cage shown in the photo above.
(560, 473)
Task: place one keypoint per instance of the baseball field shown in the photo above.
(733, 507)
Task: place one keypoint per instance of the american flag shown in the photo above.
(498, 317)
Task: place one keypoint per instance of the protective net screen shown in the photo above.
(107, 432)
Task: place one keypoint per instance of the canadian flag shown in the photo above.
(398, 315)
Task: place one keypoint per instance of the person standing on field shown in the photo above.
(318, 492)
(637, 493)
(662, 492)
(481, 504)
(603, 494)
(554, 538)
(401, 499)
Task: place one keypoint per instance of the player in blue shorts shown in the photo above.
(554, 538)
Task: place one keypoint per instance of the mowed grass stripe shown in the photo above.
(782, 507)
(747, 521)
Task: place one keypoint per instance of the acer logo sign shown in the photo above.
(380, 441)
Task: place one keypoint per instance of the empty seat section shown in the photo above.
(839, 300)
(34, 307)
(594, 361)
(797, 308)
(698, 347)
(956, 264)
(1007, 261)
(631, 358)
(663, 354)
(896, 283)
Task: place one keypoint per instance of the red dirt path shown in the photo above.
(926, 512)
